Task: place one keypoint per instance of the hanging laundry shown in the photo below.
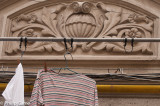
(14, 92)
(52, 89)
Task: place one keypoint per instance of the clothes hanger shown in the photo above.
(66, 61)
(68, 53)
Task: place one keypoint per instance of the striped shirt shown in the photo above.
(52, 89)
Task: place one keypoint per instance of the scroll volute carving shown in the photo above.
(82, 20)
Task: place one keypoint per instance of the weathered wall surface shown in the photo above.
(91, 19)
(87, 19)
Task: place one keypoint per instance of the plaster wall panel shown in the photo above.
(91, 19)
(87, 19)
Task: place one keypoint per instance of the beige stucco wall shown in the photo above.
(112, 52)
(132, 62)
(106, 59)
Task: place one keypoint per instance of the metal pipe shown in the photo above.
(145, 89)
(27, 88)
(53, 39)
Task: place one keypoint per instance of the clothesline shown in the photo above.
(53, 39)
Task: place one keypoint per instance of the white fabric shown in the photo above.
(14, 92)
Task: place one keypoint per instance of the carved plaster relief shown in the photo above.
(84, 20)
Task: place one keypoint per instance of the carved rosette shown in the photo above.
(82, 20)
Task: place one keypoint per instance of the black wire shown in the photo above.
(104, 76)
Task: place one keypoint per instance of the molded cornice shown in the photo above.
(5, 3)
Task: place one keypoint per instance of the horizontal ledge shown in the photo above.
(81, 58)
(53, 39)
(145, 89)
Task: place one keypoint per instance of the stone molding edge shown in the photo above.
(107, 58)
(6, 3)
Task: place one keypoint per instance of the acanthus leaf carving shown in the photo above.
(49, 20)
(112, 18)
(84, 20)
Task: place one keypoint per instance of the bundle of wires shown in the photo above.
(30, 77)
